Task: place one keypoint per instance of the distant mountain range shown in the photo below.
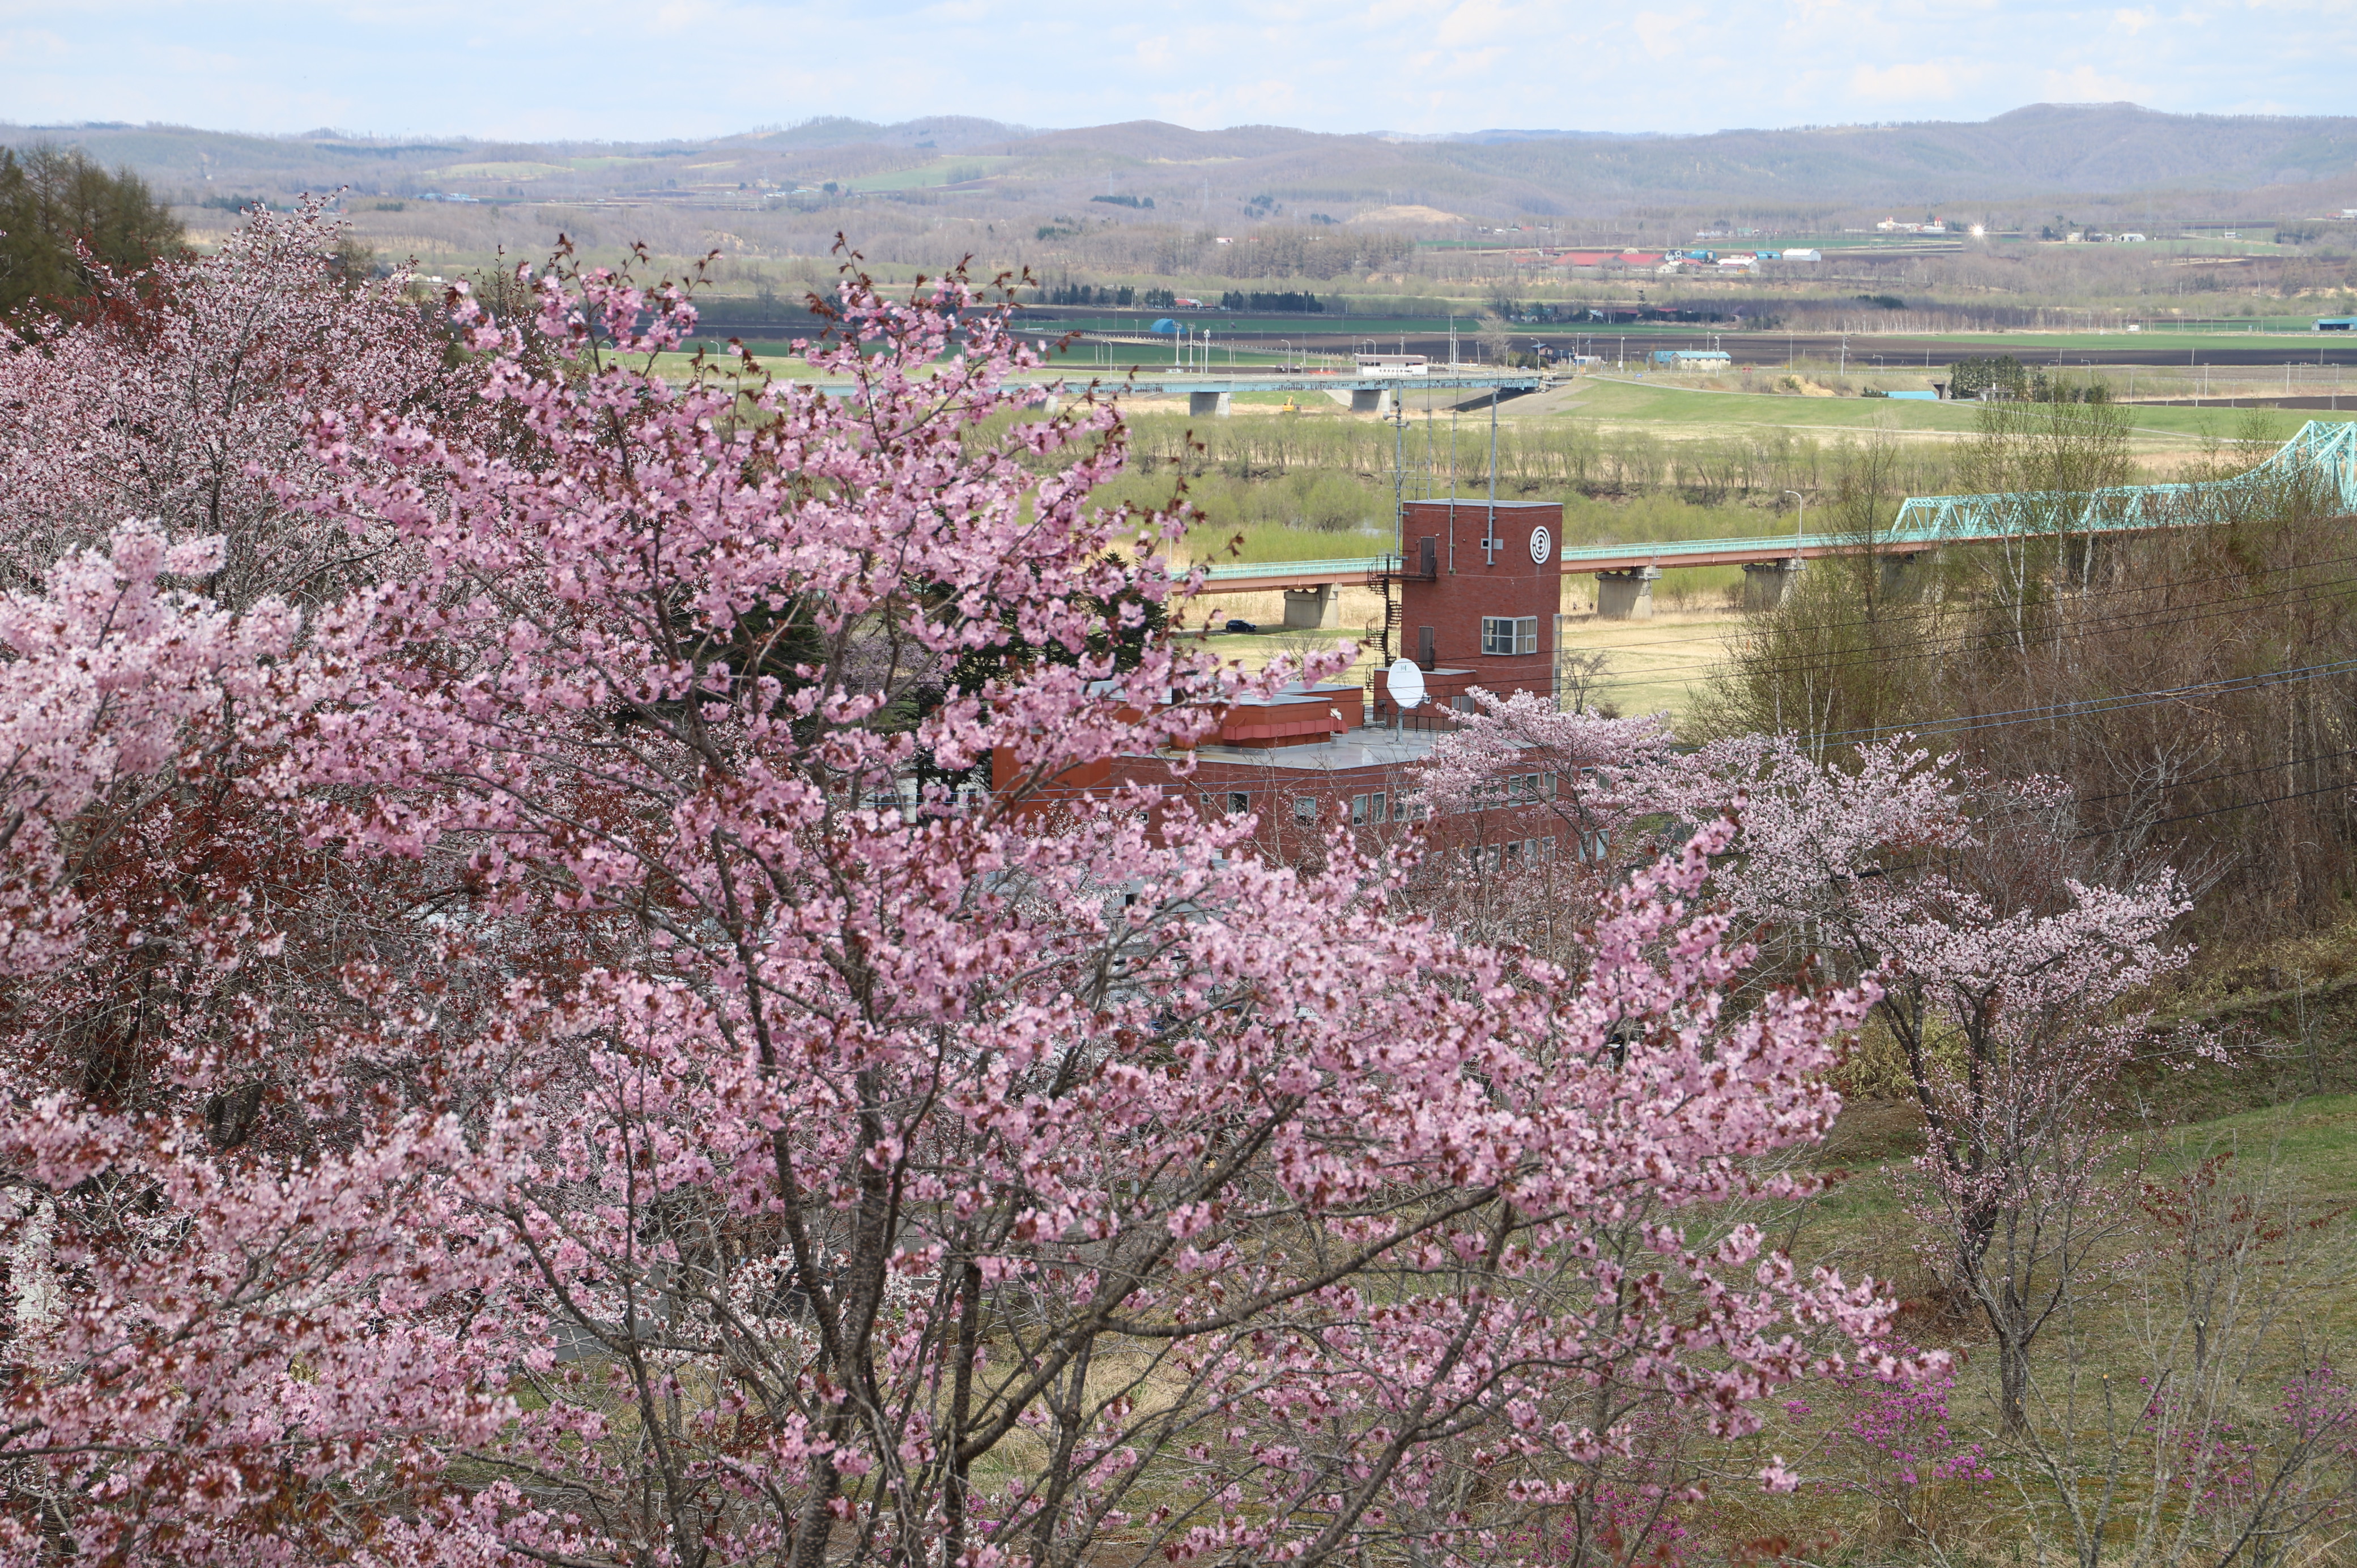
(2034, 160)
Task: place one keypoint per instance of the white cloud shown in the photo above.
(2085, 84)
(690, 66)
(1666, 35)
(1474, 21)
(1925, 81)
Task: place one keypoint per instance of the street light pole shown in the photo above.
(1798, 517)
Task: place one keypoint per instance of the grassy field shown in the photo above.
(2126, 1329)
(1656, 664)
(1664, 659)
(1673, 407)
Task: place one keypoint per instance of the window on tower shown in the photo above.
(1509, 634)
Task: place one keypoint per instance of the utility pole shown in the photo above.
(1399, 493)
(1493, 474)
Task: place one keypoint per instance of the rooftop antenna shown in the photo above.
(1490, 543)
(1399, 476)
(1428, 463)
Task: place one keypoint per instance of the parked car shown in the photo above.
(1239, 626)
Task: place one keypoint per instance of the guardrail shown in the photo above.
(1343, 570)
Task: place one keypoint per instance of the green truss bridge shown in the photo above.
(2321, 459)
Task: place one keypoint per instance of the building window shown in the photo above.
(1305, 811)
(1238, 802)
(1509, 634)
(1358, 810)
(1376, 813)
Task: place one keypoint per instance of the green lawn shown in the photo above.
(2182, 339)
(1664, 403)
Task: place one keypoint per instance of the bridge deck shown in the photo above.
(1302, 382)
(2322, 457)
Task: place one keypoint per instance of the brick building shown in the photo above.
(1473, 600)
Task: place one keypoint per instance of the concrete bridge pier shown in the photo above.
(1768, 584)
(1309, 609)
(1627, 595)
(1204, 404)
(1363, 400)
(1905, 576)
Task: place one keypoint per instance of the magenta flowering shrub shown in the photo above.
(2277, 1471)
(1903, 1428)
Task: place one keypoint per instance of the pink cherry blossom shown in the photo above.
(594, 1100)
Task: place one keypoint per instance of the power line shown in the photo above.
(2097, 705)
(2041, 638)
(2213, 777)
(2162, 821)
(2221, 810)
(2091, 593)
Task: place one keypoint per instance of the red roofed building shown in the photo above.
(1474, 601)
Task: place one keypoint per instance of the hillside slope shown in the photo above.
(2046, 155)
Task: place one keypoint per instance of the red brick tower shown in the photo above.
(1477, 595)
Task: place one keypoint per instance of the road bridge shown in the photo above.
(2321, 459)
(1208, 395)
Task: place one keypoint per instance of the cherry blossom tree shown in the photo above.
(182, 394)
(1518, 771)
(2009, 987)
(715, 1143)
(197, 1342)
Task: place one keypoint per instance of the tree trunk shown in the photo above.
(2012, 1381)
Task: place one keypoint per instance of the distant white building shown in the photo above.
(1804, 255)
(2128, 240)
(1394, 365)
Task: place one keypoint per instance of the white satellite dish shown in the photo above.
(1407, 682)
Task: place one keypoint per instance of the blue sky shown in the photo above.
(661, 67)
